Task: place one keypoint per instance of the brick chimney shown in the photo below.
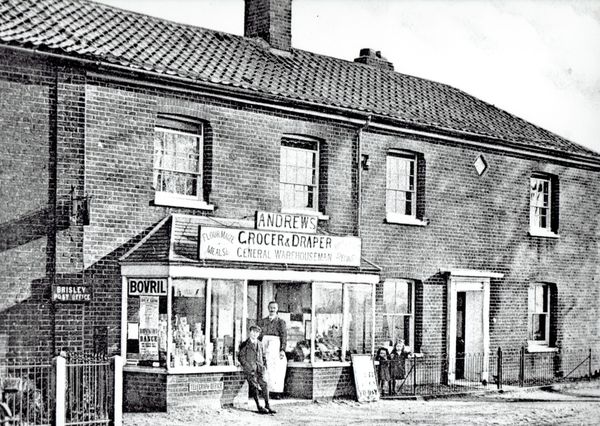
(270, 20)
(373, 58)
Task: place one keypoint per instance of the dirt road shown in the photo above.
(572, 405)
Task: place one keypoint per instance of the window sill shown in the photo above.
(404, 220)
(318, 364)
(542, 233)
(138, 369)
(306, 212)
(205, 369)
(171, 200)
(538, 348)
(182, 370)
(325, 364)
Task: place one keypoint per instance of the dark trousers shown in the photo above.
(257, 385)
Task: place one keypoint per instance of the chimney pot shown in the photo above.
(374, 58)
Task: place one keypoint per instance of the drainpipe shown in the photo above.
(359, 175)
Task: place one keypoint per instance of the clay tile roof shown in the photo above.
(102, 33)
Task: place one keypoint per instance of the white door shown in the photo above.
(468, 329)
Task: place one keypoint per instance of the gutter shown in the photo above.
(314, 109)
(359, 177)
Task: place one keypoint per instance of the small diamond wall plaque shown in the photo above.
(480, 165)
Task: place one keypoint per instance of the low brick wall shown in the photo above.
(152, 391)
(213, 389)
(320, 383)
(333, 382)
(299, 382)
(144, 391)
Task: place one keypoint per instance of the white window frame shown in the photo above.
(411, 304)
(535, 206)
(345, 321)
(532, 343)
(314, 210)
(391, 214)
(207, 326)
(164, 198)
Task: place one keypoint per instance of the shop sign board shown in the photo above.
(364, 378)
(71, 293)
(250, 245)
(272, 221)
(147, 286)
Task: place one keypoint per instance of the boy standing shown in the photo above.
(252, 358)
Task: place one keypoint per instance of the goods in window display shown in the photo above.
(326, 351)
(188, 346)
(301, 353)
(295, 334)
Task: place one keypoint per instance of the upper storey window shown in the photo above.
(401, 191)
(299, 177)
(543, 203)
(178, 162)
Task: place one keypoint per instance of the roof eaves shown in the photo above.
(158, 226)
(252, 93)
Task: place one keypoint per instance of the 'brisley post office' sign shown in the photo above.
(250, 245)
(71, 293)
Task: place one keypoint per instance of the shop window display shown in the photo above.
(360, 319)
(328, 321)
(188, 323)
(294, 301)
(226, 313)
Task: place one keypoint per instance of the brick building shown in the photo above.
(162, 183)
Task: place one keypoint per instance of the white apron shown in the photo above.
(275, 365)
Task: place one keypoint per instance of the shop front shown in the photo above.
(192, 288)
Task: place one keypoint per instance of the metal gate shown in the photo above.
(89, 393)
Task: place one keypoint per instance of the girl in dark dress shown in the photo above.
(398, 363)
(383, 369)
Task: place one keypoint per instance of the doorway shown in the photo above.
(468, 329)
(461, 297)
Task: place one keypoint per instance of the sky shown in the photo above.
(537, 59)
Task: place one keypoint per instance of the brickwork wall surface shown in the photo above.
(482, 223)
(199, 389)
(299, 383)
(144, 392)
(97, 138)
(334, 382)
(27, 171)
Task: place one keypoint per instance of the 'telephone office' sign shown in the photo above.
(249, 245)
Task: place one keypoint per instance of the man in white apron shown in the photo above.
(274, 338)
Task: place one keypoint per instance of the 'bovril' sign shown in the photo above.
(147, 286)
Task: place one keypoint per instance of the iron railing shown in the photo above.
(439, 374)
(89, 395)
(26, 388)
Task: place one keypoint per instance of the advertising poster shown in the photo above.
(148, 332)
(364, 378)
